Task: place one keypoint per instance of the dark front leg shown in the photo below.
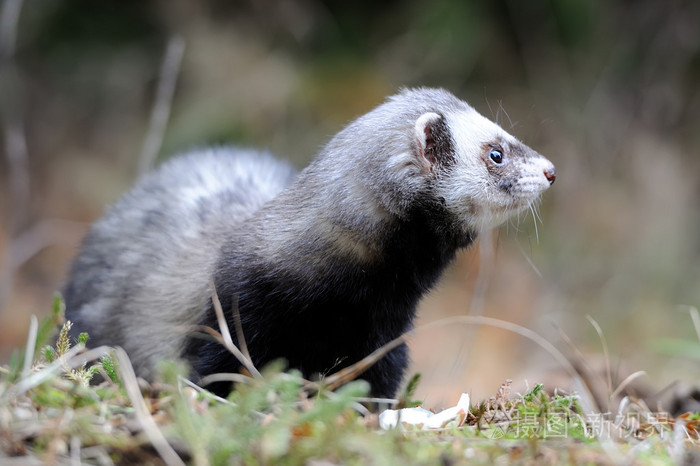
(386, 376)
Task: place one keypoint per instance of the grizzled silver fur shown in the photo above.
(141, 280)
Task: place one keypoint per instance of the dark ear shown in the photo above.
(428, 126)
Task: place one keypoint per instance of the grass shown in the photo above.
(51, 412)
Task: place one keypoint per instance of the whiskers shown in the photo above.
(519, 207)
(532, 208)
(535, 218)
(497, 114)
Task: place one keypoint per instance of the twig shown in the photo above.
(626, 382)
(239, 328)
(226, 334)
(606, 353)
(351, 372)
(53, 369)
(31, 344)
(585, 372)
(369, 399)
(161, 108)
(204, 391)
(150, 427)
(224, 377)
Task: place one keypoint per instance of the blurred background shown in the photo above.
(607, 90)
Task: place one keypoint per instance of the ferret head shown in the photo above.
(482, 174)
(426, 148)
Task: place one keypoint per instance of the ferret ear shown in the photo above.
(426, 134)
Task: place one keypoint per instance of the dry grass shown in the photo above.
(618, 239)
(49, 412)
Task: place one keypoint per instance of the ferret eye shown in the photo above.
(496, 155)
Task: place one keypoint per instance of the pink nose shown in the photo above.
(551, 175)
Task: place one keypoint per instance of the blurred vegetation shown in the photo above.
(608, 90)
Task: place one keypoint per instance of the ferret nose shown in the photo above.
(551, 175)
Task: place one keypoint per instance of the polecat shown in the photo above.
(326, 266)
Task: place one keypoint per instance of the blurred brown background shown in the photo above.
(608, 90)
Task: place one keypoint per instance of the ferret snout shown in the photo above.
(551, 174)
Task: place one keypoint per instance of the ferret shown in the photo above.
(324, 266)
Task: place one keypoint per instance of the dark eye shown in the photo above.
(496, 155)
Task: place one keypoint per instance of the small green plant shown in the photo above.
(82, 374)
(406, 399)
(533, 393)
